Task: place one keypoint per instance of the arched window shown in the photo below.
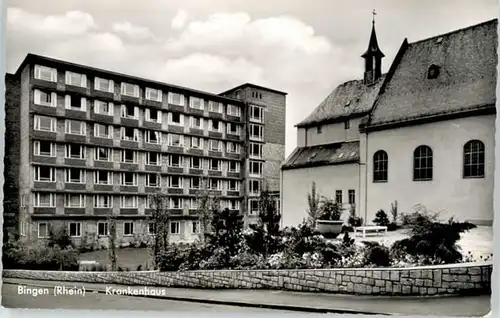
(380, 166)
(422, 163)
(474, 159)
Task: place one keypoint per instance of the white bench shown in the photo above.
(370, 228)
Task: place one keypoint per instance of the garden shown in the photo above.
(321, 241)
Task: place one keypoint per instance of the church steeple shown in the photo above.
(373, 57)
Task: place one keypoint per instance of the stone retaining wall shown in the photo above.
(429, 280)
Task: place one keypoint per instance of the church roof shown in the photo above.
(373, 48)
(322, 155)
(347, 99)
(466, 61)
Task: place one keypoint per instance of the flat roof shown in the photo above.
(254, 86)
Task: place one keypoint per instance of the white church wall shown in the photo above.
(297, 184)
(448, 192)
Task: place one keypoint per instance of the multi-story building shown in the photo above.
(85, 143)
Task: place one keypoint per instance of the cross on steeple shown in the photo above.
(374, 14)
(373, 56)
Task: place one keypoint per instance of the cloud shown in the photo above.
(132, 31)
(72, 23)
(179, 20)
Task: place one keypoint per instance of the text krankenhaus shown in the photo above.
(129, 291)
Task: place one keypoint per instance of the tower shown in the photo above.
(373, 57)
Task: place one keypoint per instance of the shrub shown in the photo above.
(394, 212)
(43, 257)
(329, 210)
(419, 216)
(59, 237)
(392, 227)
(378, 255)
(313, 201)
(381, 218)
(355, 221)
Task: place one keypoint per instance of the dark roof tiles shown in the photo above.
(321, 155)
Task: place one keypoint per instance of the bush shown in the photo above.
(329, 210)
(355, 221)
(377, 255)
(43, 257)
(59, 237)
(381, 218)
(392, 227)
(419, 216)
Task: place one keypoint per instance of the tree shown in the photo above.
(207, 203)
(159, 219)
(270, 218)
(112, 242)
(313, 199)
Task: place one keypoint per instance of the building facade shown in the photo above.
(422, 134)
(86, 143)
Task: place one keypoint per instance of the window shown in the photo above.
(195, 163)
(76, 79)
(45, 123)
(422, 163)
(196, 103)
(347, 124)
(215, 145)
(74, 175)
(215, 125)
(175, 161)
(75, 127)
(153, 115)
(175, 140)
(196, 122)
(338, 196)
(254, 186)
(75, 229)
(103, 154)
(103, 108)
(256, 132)
(433, 72)
(43, 230)
(214, 107)
(233, 129)
(153, 158)
(45, 73)
(74, 151)
(129, 156)
(153, 180)
(175, 182)
(128, 228)
(103, 177)
(153, 137)
(44, 174)
(129, 111)
(233, 166)
(257, 95)
(232, 147)
(130, 90)
(128, 179)
(214, 184)
(255, 150)
(102, 228)
(154, 94)
(233, 205)
(45, 98)
(233, 110)
(474, 159)
(380, 166)
(74, 200)
(75, 102)
(176, 119)
(352, 196)
(215, 164)
(175, 227)
(130, 134)
(196, 143)
(253, 206)
(151, 228)
(194, 183)
(128, 202)
(103, 131)
(44, 148)
(233, 185)
(176, 99)
(44, 200)
(176, 203)
(195, 227)
(255, 168)
(319, 129)
(104, 85)
(257, 114)
(103, 201)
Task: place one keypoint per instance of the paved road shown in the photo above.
(11, 299)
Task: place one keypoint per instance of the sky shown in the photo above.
(305, 48)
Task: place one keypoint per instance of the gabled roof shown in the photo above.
(322, 155)
(467, 62)
(347, 99)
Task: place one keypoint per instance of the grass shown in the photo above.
(128, 258)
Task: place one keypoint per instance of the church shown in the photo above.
(420, 134)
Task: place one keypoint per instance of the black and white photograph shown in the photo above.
(262, 157)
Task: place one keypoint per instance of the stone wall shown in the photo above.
(431, 280)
